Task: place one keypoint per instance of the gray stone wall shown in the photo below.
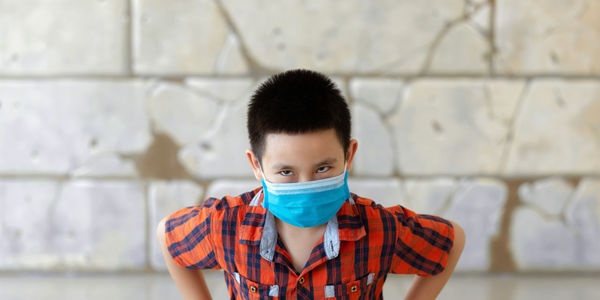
(115, 113)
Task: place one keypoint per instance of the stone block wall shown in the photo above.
(114, 113)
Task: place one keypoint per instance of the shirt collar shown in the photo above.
(258, 227)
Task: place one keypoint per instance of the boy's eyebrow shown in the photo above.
(285, 166)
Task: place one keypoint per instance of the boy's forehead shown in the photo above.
(324, 135)
(311, 146)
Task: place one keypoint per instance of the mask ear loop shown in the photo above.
(261, 172)
(264, 188)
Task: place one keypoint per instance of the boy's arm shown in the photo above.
(190, 282)
(428, 288)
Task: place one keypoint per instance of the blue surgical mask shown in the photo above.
(306, 204)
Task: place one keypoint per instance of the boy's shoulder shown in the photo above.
(373, 213)
(229, 201)
(365, 201)
(377, 214)
(369, 204)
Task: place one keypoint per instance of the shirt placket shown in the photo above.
(300, 282)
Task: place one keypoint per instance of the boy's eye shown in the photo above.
(319, 170)
(328, 167)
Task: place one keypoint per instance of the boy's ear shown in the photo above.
(254, 163)
(351, 151)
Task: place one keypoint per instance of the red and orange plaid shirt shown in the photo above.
(361, 245)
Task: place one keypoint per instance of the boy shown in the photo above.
(302, 234)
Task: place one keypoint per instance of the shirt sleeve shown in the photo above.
(188, 236)
(423, 242)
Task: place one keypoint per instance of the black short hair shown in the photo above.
(297, 101)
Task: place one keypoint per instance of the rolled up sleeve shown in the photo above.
(423, 242)
(188, 236)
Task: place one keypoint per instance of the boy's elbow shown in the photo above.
(161, 235)
(160, 229)
(459, 238)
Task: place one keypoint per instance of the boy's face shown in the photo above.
(302, 157)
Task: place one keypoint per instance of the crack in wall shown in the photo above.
(129, 61)
(469, 5)
(151, 91)
(501, 256)
(205, 94)
(220, 60)
(230, 46)
(254, 67)
(390, 132)
(386, 69)
(488, 101)
(504, 158)
(466, 16)
(159, 161)
(396, 109)
(147, 232)
(218, 122)
(398, 100)
(492, 37)
(384, 119)
(574, 182)
(447, 202)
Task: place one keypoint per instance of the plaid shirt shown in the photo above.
(361, 245)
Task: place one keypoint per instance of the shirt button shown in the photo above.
(354, 288)
(253, 289)
(301, 280)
